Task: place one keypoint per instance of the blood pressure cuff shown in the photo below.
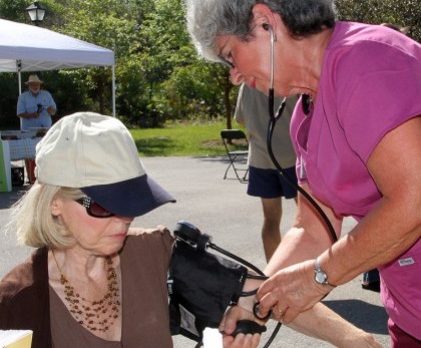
(201, 286)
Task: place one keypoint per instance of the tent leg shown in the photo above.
(113, 91)
(18, 68)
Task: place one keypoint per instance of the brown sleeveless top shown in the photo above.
(145, 320)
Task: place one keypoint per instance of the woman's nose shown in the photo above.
(125, 219)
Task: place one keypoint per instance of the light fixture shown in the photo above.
(36, 12)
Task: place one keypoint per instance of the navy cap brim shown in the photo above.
(133, 197)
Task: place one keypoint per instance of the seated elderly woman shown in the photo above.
(89, 283)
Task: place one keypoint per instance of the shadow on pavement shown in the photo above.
(222, 159)
(369, 317)
(155, 146)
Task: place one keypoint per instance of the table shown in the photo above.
(16, 145)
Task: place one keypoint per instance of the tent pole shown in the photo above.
(20, 82)
(113, 91)
(18, 68)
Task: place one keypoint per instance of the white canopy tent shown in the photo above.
(26, 47)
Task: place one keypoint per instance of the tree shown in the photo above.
(158, 73)
(187, 85)
(405, 13)
(106, 23)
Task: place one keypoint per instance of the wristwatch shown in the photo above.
(320, 276)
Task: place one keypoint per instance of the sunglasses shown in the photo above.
(94, 209)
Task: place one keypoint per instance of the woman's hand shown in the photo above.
(51, 110)
(290, 291)
(242, 341)
(228, 325)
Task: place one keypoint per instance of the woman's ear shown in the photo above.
(56, 206)
(263, 16)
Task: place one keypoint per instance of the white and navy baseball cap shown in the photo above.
(97, 154)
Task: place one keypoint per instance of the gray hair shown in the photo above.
(207, 19)
(31, 217)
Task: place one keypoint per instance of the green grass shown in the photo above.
(181, 139)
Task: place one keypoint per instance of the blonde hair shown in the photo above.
(33, 221)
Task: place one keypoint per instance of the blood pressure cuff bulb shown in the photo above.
(201, 284)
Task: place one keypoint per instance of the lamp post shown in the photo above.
(36, 12)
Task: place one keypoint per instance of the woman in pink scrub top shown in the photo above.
(358, 146)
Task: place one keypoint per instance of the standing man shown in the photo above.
(35, 108)
(265, 181)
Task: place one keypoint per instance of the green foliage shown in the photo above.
(69, 94)
(9, 92)
(193, 90)
(404, 13)
(14, 10)
(106, 23)
(159, 76)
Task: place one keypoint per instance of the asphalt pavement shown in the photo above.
(222, 209)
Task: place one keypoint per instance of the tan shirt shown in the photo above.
(145, 319)
(252, 112)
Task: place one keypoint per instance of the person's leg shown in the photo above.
(272, 208)
(371, 280)
(271, 231)
(264, 183)
(270, 186)
(30, 170)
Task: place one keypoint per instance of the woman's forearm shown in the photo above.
(323, 323)
(378, 239)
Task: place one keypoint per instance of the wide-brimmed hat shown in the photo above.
(33, 79)
(97, 154)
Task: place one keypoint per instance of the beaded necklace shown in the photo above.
(96, 315)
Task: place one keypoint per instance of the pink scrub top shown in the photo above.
(370, 84)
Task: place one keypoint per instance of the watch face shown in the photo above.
(320, 277)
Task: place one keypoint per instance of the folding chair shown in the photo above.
(236, 146)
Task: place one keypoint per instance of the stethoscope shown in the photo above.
(273, 118)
